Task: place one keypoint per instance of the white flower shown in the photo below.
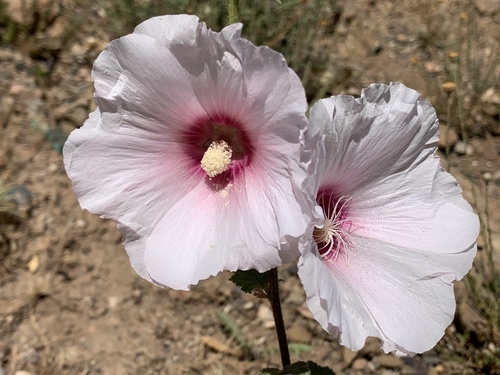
(396, 231)
(194, 150)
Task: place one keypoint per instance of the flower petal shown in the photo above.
(171, 30)
(401, 296)
(153, 172)
(381, 133)
(204, 233)
(127, 79)
(421, 208)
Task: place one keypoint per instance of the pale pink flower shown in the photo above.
(396, 232)
(194, 150)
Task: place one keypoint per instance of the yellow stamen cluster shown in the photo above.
(217, 158)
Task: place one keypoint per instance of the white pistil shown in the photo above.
(217, 158)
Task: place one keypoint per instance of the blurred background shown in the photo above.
(69, 301)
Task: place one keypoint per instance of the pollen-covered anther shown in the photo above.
(217, 158)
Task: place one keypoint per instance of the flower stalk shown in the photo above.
(274, 298)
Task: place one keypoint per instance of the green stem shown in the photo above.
(232, 8)
(274, 298)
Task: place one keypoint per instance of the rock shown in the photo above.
(439, 369)
(389, 361)
(265, 314)
(387, 372)
(113, 301)
(304, 311)
(487, 6)
(24, 12)
(20, 196)
(295, 297)
(490, 101)
(248, 305)
(348, 356)
(297, 333)
(447, 136)
(432, 67)
(72, 112)
(491, 96)
(402, 38)
(6, 104)
(461, 148)
(371, 348)
(359, 364)
(33, 264)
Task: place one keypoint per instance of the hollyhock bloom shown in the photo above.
(396, 230)
(194, 149)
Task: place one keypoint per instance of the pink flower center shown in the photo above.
(334, 237)
(219, 146)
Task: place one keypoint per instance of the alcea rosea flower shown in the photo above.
(396, 231)
(194, 149)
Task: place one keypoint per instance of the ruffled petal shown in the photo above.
(421, 208)
(136, 74)
(138, 180)
(383, 132)
(401, 296)
(79, 136)
(205, 233)
(171, 30)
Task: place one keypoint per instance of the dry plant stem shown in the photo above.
(232, 9)
(447, 134)
(274, 298)
(489, 244)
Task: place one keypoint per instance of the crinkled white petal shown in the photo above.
(383, 132)
(401, 296)
(137, 74)
(171, 30)
(421, 208)
(205, 233)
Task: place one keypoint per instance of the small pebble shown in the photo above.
(297, 333)
(359, 364)
(113, 302)
(137, 296)
(80, 223)
(269, 324)
(461, 148)
(265, 314)
(248, 305)
(389, 361)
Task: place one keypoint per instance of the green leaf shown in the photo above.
(269, 371)
(299, 368)
(250, 281)
(319, 370)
